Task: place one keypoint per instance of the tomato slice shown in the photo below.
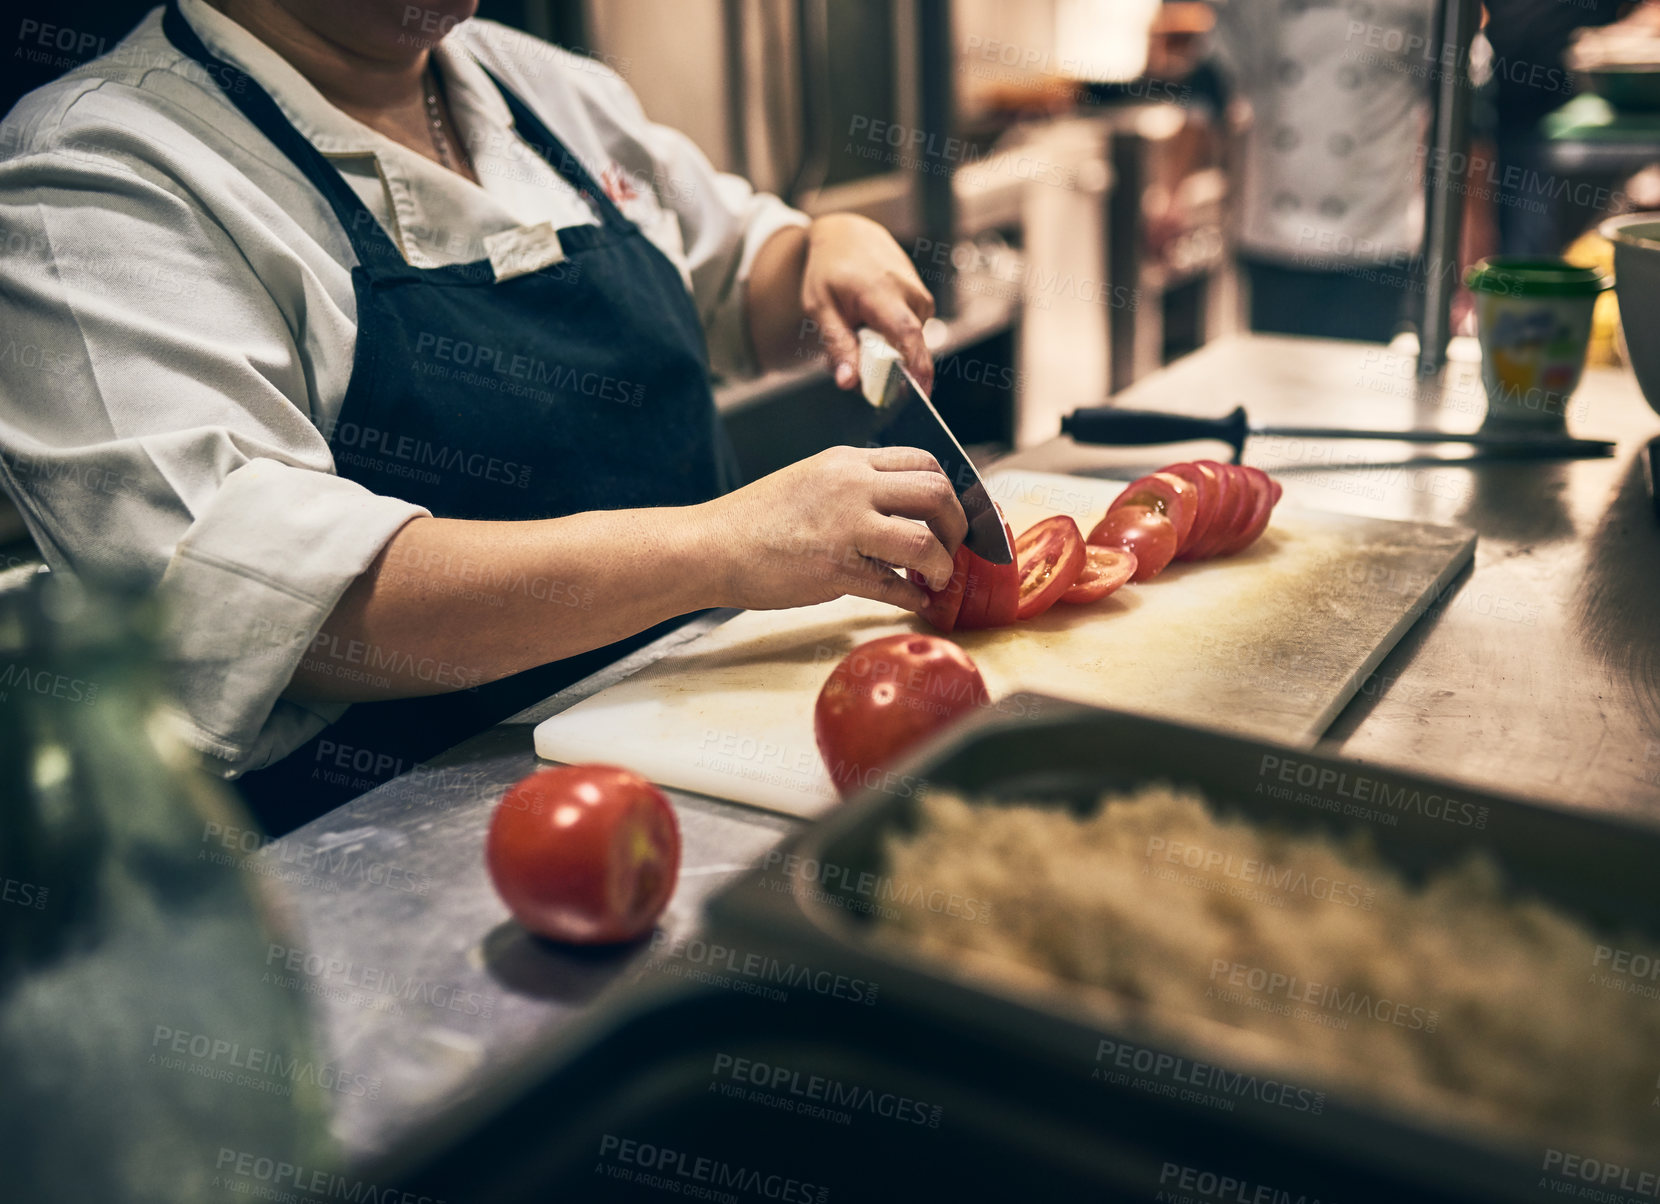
(1147, 533)
(1169, 494)
(991, 592)
(944, 605)
(1263, 504)
(979, 594)
(1246, 484)
(1208, 493)
(1050, 555)
(1233, 506)
(1105, 569)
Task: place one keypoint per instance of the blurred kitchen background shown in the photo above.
(1070, 176)
(1053, 178)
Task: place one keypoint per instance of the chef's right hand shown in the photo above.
(833, 524)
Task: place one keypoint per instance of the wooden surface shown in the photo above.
(1272, 642)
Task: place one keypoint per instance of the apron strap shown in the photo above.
(256, 104)
(570, 168)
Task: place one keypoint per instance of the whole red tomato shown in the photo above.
(587, 854)
(887, 695)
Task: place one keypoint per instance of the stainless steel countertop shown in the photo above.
(1538, 674)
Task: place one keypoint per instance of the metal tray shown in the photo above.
(1353, 1148)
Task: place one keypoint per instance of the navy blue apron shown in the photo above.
(581, 386)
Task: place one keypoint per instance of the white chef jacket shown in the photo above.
(1340, 94)
(177, 322)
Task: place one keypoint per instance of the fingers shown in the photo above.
(926, 495)
(904, 459)
(903, 544)
(885, 585)
(895, 317)
(839, 344)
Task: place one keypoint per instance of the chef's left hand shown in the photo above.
(857, 275)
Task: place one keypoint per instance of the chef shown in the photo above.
(379, 338)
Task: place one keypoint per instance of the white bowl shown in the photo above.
(1636, 239)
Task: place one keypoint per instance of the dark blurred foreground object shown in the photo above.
(151, 1051)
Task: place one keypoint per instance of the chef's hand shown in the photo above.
(858, 276)
(834, 524)
(810, 291)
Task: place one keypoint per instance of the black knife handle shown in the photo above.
(1112, 425)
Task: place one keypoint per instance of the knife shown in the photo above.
(1109, 424)
(906, 418)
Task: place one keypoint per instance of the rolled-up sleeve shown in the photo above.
(154, 421)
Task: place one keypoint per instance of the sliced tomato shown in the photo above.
(991, 592)
(1147, 533)
(1169, 494)
(1050, 555)
(1234, 504)
(979, 594)
(1105, 569)
(1263, 504)
(1208, 493)
(944, 605)
(1278, 490)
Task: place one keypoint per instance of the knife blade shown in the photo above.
(906, 418)
(1134, 428)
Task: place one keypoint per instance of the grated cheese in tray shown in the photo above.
(1451, 996)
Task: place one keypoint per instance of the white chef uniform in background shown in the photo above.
(1339, 93)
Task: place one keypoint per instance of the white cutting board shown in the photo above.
(1270, 643)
